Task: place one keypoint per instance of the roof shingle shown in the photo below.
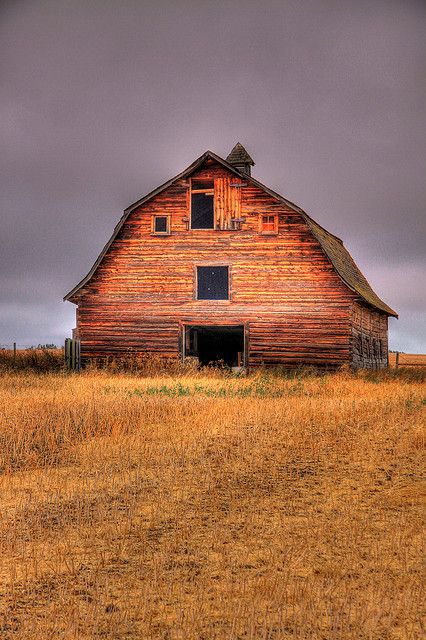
(239, 156)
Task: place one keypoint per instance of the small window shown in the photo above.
(268, 224)
(213, 283)
(161, 225)
(202, 204)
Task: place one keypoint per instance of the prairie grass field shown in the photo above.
(198, 506)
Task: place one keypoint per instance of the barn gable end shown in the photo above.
(291, 287)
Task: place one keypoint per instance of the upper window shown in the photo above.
(213, 283)
(268, 224)
(202, 204)
(161, 225)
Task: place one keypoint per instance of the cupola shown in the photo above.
(240, 159)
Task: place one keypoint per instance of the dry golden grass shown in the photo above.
(209, 507)
(407, 359)
(36, 359)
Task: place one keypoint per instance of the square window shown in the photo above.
(213, 283)
(161, 225)
(202, 204)
(268, 224)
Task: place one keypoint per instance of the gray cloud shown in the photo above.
(103, 101)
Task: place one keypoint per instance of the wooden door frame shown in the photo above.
(185, 325)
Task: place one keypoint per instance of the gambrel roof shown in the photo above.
(331, 245)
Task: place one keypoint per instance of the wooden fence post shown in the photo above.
(67, 353)
(72, 354)
(14, 351)
(396, 360)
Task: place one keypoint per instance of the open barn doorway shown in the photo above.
(215, 344)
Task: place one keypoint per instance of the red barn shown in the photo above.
(215, 265)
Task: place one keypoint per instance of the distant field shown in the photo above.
(408, 359)
(211, 507)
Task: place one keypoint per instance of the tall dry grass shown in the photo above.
(208, 506)
(34, 359)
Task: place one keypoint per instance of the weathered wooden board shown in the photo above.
(369, 344)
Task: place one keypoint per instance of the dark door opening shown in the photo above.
(216, 344)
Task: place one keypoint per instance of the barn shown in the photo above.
(216, 266)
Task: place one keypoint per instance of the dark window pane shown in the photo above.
(160, 224)
(202, 184)
(202, 216)
(213, 283)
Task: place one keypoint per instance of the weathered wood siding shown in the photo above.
(227, 202)
(295, 307)
(369, 337)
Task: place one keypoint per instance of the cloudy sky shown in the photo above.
(101, 101)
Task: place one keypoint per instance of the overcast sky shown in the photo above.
(101, 101)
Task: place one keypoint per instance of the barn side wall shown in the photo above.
(369, 338)
(295, 308)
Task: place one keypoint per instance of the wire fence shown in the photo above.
(398, 359)
(10, 346)
(41, 358)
